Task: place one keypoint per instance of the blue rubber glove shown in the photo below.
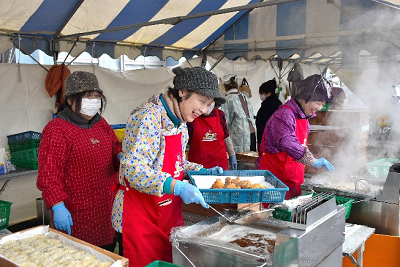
(216, 168)
(189, 193)
(232, 160)
(323, 162)
(62, 218)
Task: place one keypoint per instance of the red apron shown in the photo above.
(207, 146)
(283, 166)
(147, 219)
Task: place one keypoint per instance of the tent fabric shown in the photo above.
(27, 106)
(311, 30)
(315, 32)
(40, 21)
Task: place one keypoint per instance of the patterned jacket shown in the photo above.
(143, 149)
(238, 122)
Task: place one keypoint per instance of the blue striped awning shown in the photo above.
(313, 30)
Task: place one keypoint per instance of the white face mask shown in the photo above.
(262, 97)
(90, 107)
(210, 109)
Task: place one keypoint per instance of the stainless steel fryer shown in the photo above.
(380, 212)
(317, 241)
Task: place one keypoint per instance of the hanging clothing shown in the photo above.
(239, 123)
(207, 145)
(55, 79)
(79, 166)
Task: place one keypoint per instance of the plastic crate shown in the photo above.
(25, 155)
(285, 215)
(23, 145)
(161, 264)
(4, 214)
(380, 168)
(23, 136)
(117, 126)
(120, 134)
(220, 196)
(32, 165)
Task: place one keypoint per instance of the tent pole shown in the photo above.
(20, 48)
(218, 61)
(176, 20)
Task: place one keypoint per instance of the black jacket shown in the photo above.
(268, 107)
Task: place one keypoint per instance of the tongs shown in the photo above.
(226, 218)
(249, 218)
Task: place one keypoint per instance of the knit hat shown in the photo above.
(226, 79)
(81, 81)
(268, 87)
(198, 80)
(314, 88)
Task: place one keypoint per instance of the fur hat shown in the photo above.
(268, 87)
(226, 79)
(314, 88)
(198, 80)
(81, 81)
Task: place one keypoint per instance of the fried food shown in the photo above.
(237, 184)
(218, 184)
(245, 184)
(258, 185)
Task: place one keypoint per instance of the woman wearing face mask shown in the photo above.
(78, 163)
(209, 140)
(284, 149)
(269, 103)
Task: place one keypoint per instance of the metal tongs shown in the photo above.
(249, 218)
(226, 218)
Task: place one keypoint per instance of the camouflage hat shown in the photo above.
(81, 81)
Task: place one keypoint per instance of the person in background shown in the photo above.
(150, 194)
(239, 116)
(209, 140)
(269, 103)
(338, 98)
(78, 163)
(284, 149)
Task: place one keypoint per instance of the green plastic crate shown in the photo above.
(23, 145)
(25, 155)
(380, 168)
(4, 214)
(33, 165)
(285, 215)
(161, 264)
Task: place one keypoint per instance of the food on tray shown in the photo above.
(218, 184)
(41, 250)
(238, 184)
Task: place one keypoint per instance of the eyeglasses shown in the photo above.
(92, 95)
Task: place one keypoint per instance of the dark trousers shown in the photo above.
(120, 246)
(253, 146)
(110, 247)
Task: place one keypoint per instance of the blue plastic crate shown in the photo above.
(23, 136)
(118, 126)
(220, 196)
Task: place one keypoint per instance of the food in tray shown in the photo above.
(41, 250)
(258, 242)
(236, 183)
